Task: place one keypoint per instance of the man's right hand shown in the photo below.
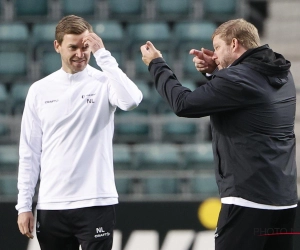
(25, 223)
(203, 60)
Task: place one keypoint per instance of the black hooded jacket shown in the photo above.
(252, 109)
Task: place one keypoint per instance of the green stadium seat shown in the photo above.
(84, 8)
(8, 185)
(43, 36)
(131, 127)
(145, 106)
(3, 100)
(178, 130)
(193, 35)
(124, 185)
(198, 156)
(122, 157)
(49, 62)
(173, 10)
(220, 10)
(125, 10)
(157, 185)
(31, 9)
(18, 95)
(139, 33)
(111, 32)
(14, 36)
(204, 184)
(4, 132)
(159, 105)
(13, 66)
(157, 156)
(9, 158)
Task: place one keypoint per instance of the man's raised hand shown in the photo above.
(149, 52)
(203, 60)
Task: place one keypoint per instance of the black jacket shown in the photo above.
(252, 109)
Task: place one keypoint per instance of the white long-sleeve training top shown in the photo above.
(66, 136)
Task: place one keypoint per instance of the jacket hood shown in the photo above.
(266, 61)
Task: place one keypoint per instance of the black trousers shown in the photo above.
(254, 229)
(90, 227)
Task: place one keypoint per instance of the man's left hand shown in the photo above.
(149, 53)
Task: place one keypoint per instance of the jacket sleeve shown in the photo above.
(218, 94)
(29, 154)
(122, 91)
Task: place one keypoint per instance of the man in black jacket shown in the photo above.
(251, 100)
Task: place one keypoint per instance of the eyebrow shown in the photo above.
(75, 46)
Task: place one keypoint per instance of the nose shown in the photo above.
(79, 53)
(214, 57)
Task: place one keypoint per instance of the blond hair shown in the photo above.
(71, 25)
(245, 32)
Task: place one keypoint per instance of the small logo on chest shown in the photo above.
(88, 98)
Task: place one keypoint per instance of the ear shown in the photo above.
(56, 46)
(234, 44)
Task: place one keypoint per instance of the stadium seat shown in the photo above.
(13, 66)
(122, 157)
(9, 158)
(4, 132)
(123, 184)
(49, 62)
(173, 10)
(31, 9)
(193, 35)
(178, 130)
(18, 96)
(157, 32)
(157, 185)
(204, 184)
(145, 106)
(84, 8)
(198, 156)
(14, 36)
(156, 156)
(43, 36)
(8, 185)
(220, 10)
(125, 10)
(131, 127)
(112, 34)
(3, 100)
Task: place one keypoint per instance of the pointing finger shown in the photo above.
(207, 52)
(194, 52)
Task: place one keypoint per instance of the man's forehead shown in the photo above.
(75, 38)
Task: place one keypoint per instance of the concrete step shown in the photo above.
(284, 10)
(282, 30)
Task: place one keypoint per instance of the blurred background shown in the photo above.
(163, 163)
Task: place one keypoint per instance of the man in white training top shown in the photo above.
(66, 142)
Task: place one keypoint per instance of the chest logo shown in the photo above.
(51, 101)
(88, 98)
